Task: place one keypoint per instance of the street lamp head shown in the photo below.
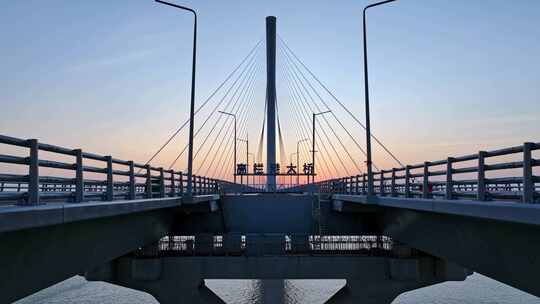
(226, 113)
(321, 113)
(375, 4)
(178, 6)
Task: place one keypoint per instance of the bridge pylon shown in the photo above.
(271, 102)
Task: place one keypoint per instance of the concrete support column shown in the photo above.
(272, 291)
(150, 275)
(187, 291)
(362, 292)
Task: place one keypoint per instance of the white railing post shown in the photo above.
(173, 184)
(131, 187)
(425, 181)
(393, 183)
(181, 186)
(148, 182)
(33, 173)
(381, 184)
(79, 176)
(481, 186)
(364, 183)
(109, 191)
(449, 180)
(528, 183)
(407, 181)
(161, 183)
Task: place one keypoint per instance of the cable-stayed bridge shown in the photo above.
(303, 204)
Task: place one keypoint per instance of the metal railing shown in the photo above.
(262, 188)
(420, 180)
(139, 180)
(261, 244)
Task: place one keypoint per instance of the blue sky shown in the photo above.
(112, 77)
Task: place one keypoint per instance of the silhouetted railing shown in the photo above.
(420, 180)
(267, 244)
(122, 179)
(260, 188)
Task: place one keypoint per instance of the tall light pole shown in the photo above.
(366, 89)
(235, 140)
(313, 144)
(192, 106)
(298, 158)
(247, 155)
(291, 159)
(253, 157)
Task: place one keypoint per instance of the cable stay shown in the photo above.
(282, 153)
(305, 105)
(214, 110)
(226, 164)
(339, 102)
(175, 133)
(304, 121)
(296, 68)
(261, 138)
(247, 91)
(245, 84)
(295, 75)
(229, 140)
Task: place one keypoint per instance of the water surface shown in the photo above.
(477, 289)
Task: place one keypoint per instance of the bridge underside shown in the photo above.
(286, 213)
(496, 239)
(369, 279)
(254, 213)
(51, 243)
(499, 240)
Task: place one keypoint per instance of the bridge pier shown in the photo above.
(384, 292)
(183, 286)
(272, 291)
(370, 279)
(185, 291)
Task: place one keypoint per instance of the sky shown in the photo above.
(113, 77)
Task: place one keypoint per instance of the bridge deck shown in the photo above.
(14, 217)
(509, 174)
(500, 210)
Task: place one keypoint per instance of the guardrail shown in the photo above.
(416, 180)
(262, 188)
(267, 244)
(34, 189)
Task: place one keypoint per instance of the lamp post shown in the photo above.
(291, 157)
(313, 143)
(291, 160)
(235, 140)
(253, 157)
(247, 155)
(366, 89)
(298, 158)
(192, 105)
